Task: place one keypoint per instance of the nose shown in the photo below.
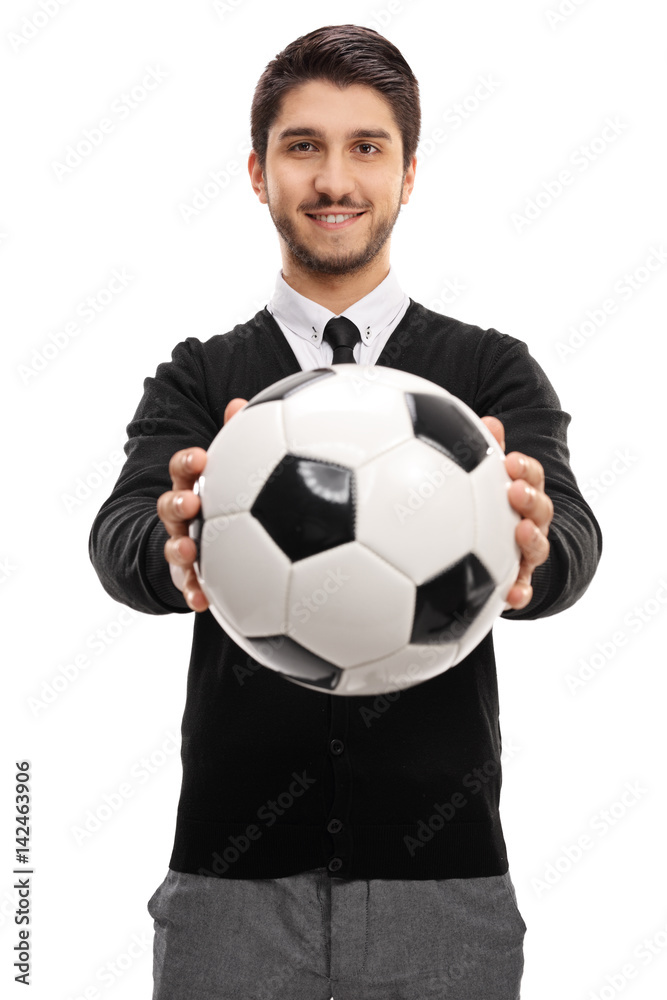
(335, 177)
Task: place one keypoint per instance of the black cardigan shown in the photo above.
(279, 779)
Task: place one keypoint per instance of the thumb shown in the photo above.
(496, 428)
(233, 406)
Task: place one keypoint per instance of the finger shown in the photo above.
(181, 551)
(192, 592)
(534, 548)
(519, 596)
(175, 508)
(497, 429)
(233, 406)
(532, 503)
(534, 551)
(185, 467)
(520, 466)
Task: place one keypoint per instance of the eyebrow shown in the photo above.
(313, 133)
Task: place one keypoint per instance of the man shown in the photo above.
(318, 852)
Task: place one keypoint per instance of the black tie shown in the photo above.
(342, 334)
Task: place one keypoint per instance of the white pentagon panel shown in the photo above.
(405, 381)
(496, 520)
(245, 574)
(343, 600)
(236, 470)
(415, 509)
(346, 419)
(408, 666)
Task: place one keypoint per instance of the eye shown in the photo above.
(304, 142)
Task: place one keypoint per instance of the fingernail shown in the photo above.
(178, 501)
(530, 492)
(188, 459)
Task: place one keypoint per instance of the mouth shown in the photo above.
(341, 220)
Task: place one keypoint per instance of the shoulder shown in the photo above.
(221, 345)
(463, 354)
(456, 334)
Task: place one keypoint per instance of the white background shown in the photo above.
(571, 753)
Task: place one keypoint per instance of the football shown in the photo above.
(354, 531)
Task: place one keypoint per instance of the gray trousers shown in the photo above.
(313, 937)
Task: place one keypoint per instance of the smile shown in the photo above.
(340, 221)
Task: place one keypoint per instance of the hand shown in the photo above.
(178, 506)
(527, 497)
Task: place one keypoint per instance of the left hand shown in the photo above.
(526, 495)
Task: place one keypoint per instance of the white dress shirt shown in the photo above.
(302, 321)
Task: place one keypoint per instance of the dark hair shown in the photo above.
(343, 54)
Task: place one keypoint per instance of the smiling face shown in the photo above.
(334, 152)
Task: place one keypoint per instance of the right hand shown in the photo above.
(178, 506)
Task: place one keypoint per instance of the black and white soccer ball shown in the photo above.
(355, 532)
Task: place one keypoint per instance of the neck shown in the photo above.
(336, 292)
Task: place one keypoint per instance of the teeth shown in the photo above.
(335, 218)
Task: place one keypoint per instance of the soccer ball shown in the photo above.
(355, 532)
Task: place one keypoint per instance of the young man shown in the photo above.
(317, 852)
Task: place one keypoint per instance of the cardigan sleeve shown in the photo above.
(513, 387)
(127, 538)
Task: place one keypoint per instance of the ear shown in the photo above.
(257, 177)
(409, 181)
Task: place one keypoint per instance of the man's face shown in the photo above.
(334, 152)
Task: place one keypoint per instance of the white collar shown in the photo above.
(372, 314)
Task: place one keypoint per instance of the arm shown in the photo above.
(127, 538)
(515, 389)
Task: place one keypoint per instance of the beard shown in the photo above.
(338, 262)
